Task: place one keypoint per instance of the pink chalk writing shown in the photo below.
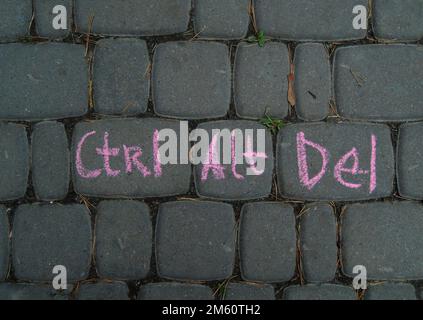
(218, 170)
(340, 169)
(82, 171)
(132, 156)
(302, 142)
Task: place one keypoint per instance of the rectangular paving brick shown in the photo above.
(48, 235)
(261, 80)
(123, 240)
(191, 80)
(45, 13)
(267, 242)
(379, 82)
(390, 291)
(4, 243)
(244, 291)
(195, 240)
(175, 291)
(103, 291)
(120, 76)
(304, 20)
(409, 164)
(115, 158)
(43, 81)
(319, 251)
(312, 82)
(398, 20)
(133, 17)
(328, 161)
(221, 19)
(230, 181)
(50, 161)
(387, 242)
(15, 19)
(29, 291)
(14, 161)
(319, 292)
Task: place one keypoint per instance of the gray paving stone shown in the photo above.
(379, 82)
(174, 291)
(409, 168)
(221, 19)
(318, 243)
(391, 291)
(44, 16)
(319, 292)
(15, 18)
(267, 242)
(398, 20)
(43, 81)
(321, 20)
(195, 240)
(103, 291)
(123, 179)
(133, 17)
(242, 291)
(120, 73)
(26, 291)
(48, 235)
(300, 161)
(387, 244)
(123, 241)
(14, 161)
(312, 83)
(235, 183)
(191, 80)
(50, 161)
(4, 243)
(261, 80)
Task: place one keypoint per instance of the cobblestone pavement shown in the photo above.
(343, 179)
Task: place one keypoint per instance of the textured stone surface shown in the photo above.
(221, 19)
(390, 291)
(321, 20)
(338, 141)
(409, 166)
(15, 18)
(103, 291)
(319, 292)
(318, 243)
(312, 81)
(195, 240)
(261, 80)
(48, 235)
(398, 20)
(43, 15)
(191, 80)
(379, 82)
(121, 78)
(386, 243)
(133, 133)
(14, 161)
(236, 183)
(267, 242)
(4, 243)
(24, 291)
(123, 240)
(133, 17)
(50, 161)
(242, 291)
(174, 291)
(43, 81)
